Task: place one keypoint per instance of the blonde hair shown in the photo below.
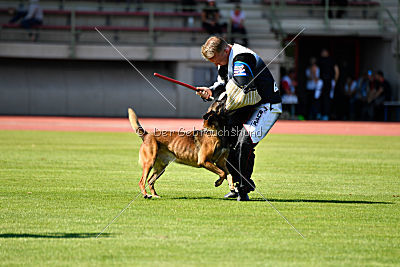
(214, 45)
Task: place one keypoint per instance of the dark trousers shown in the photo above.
(325, 98)
(29, 23)
(18, 15)
(310, 104)
(240, 162)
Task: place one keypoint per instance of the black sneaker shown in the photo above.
(232, 194)
(243, 197)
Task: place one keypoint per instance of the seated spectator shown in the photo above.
(350, 91)
(288, 85)
(210, 18)
(237, 24)
(34, 17)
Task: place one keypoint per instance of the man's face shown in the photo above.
(220, 59)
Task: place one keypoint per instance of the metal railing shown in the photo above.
(272, 16)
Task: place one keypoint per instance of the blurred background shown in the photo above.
(53, 62)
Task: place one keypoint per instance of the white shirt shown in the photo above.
(237, 19)
(34, 11)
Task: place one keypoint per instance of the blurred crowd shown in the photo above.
(328, 94)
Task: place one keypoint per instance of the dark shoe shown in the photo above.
(231, 194)
(243, 197)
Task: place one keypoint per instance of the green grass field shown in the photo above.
(60, 189)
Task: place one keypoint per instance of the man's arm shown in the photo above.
(241, 90)
(336, 68)
(216, 89)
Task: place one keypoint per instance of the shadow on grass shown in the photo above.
(194, 198)
(321, 201)
(54, 235)
(292, 200)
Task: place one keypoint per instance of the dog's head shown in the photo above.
(215, 116)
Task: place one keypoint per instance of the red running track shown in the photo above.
(122, 125)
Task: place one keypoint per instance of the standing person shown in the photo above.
(288, 85)
(368, 112)
(252, 105)
(361, 96)
(210, 18)
(313, 86)
(329, 72)
(350, 92)
(237, 24)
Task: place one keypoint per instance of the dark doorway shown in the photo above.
(345, 52)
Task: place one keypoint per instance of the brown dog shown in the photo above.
(199, 148)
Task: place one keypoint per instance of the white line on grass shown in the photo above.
(105, 38)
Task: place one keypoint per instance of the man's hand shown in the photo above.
(204, 92)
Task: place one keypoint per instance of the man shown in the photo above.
(378, 95)
(252, 105)
(329, 72)
(210, 18)
(34, 16)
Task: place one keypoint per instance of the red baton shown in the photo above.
(178, 82)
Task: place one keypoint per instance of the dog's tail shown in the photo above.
(135, 124)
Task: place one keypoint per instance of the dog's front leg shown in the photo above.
(212, 167)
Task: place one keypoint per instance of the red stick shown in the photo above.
(175, 81)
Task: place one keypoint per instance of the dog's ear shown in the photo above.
(208, 115)
(220, 109)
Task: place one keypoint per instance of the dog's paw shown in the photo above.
(218, 182)
(147, 196)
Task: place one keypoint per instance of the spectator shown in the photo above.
(237, 24)
(313, 86)
(34, 16)
(210, 18)
(350, 91)
(368, 112)
(329, 72)
(288, 86)
(379, 94)
(361, 96)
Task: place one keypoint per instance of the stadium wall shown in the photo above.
(101, 88)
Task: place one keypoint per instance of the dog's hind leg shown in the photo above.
(148, 153)
(162, 161)
(142, 182)
(158, 170)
